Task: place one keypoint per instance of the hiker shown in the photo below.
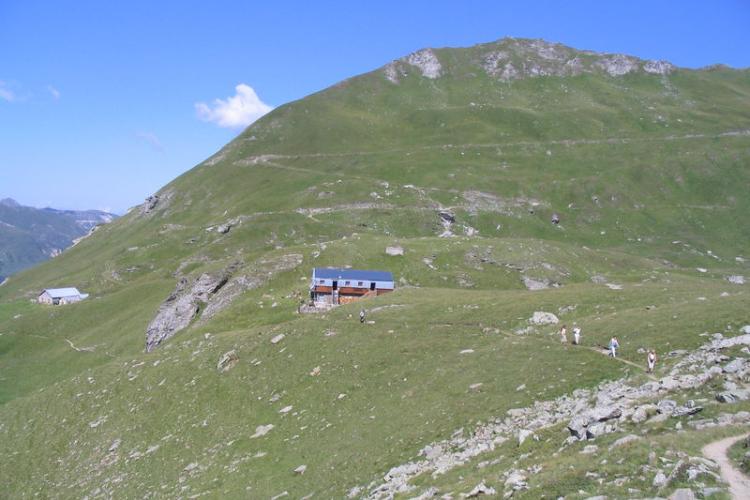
(576, 335)
(361, 315)
(564, 334)
(613, 346)
(651, 360)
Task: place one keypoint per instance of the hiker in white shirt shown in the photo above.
(613, 346)
(576, 335)
(651, 360)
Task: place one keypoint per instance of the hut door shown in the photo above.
(372, 286)
(335, 285)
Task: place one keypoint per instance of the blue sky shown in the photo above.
(100, 101)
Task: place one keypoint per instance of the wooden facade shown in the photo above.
(342, 286)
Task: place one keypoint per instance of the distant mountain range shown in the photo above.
(31, 235)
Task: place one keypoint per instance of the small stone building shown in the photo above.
(60, 296)
(340, 286)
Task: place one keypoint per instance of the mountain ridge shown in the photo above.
(30, 235)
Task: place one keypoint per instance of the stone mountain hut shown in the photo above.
(60, 296)
(341, 286)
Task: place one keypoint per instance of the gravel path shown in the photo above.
(739, 484)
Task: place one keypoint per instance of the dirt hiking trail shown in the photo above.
(739, 484)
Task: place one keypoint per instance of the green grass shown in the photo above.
(363, 165)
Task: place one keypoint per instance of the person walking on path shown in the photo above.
(564, 334)
(613, 346)
(576, 335)
(651, 360)
(361, 315)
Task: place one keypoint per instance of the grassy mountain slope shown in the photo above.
(648, 171)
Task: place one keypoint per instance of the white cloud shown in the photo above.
(151, 139)
(239, 110)
(6, 93)
(55, 93)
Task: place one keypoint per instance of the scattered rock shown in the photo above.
(683, 411)
(227, 361)
(625, 440)
(736, 279)
(300, 470)
(278, 338)
(394, 251)
(480, 489)
(476, 387)
(516, 480)
(543, 318)
(523, 434)
(262, 430)
(682, 494)
(660, 480)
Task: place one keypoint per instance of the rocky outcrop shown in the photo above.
(182, 306)
(203, 297)
(156, 201)
(514, 59)
(589, 413)
(237, 284)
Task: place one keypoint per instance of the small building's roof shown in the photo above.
(58, 293)
(333, 273)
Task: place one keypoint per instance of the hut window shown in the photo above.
(359, 283)
(348, 282)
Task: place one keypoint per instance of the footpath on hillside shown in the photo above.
(739, 483)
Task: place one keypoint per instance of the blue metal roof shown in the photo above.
(333, 273)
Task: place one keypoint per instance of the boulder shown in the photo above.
(394, 251)
(666, 406)
(604, 413)
(599, 429)
(660, 480)
(543, 318)
(227, 361)
(577, 426)
(523, 434)
(683, 411)
(734, 366)
(516, 480)
(481, 489)
(682, 494)
(625, 440)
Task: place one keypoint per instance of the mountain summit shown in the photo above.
(517, 58)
